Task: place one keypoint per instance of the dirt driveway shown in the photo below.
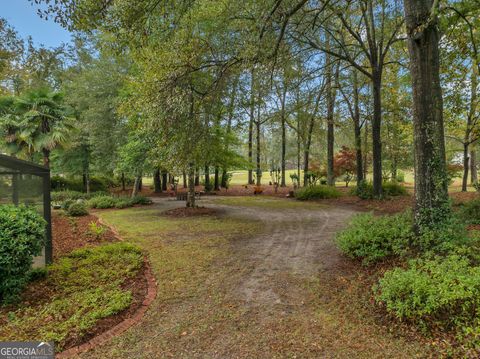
(278, 288)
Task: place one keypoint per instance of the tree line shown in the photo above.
(206, 87)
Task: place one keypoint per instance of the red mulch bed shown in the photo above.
(73, 233)
(70, 233)
(190, 212)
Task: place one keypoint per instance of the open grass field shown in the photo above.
(240, 177)
(244, 284)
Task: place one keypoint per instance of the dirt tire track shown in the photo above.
(297, 242)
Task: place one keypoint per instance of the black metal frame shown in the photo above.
(24, 167)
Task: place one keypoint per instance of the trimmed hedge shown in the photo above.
(60, 196)
(317, 192)
(104, 202)
(22, 236)
(390, 189)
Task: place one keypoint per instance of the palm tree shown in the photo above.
(44, 122)
(10, 128)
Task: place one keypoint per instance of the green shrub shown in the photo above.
(317, 192)
(22, 235)
(65, 204)
(141, 200)
(445, 238)
(393, 189)
(373, 238)
(77, 209)
(363, 190)
(470, 212)
(400, 176)
(101, 202)
(123, 203)
(100, 184)
(390, 189)
(60, 196)
(59, 183)
(442, 290)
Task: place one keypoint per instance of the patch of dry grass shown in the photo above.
(200, 263)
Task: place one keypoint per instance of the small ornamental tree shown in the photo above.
(344, 163)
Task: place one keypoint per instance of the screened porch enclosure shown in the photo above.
(26, 183)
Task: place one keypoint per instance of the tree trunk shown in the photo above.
(184, 175)
(298, 158)
(250, 127)
(330, 115)
(46, 158)
(284, 136)
(357, 128)
(376, 133)
(306, 159)
(306, 153)
(431, 182)
(191, 186)
(259, 170)
(135, 186)
(140, 184)
(466, 161)
(87, 182)
(157, 182)
(123, 181)
(365, 151)
(473, 167)
(164, 180)
(197, 176)
(216, 184)
(393, 169)
(207, 178)
(223, 182)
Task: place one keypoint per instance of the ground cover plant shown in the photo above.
(470, 211)
(81, 289)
